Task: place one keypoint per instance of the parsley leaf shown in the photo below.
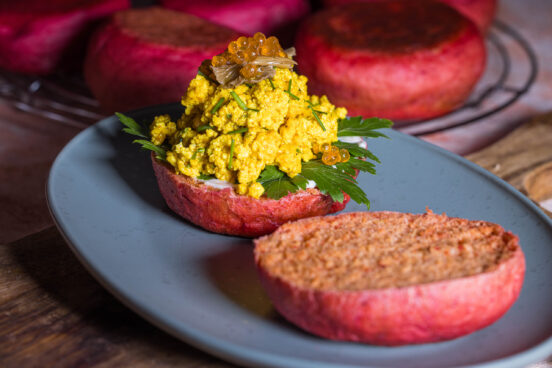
(132, 127)
(277, 184)
(356, 151)
(160, 152)
(357, 126)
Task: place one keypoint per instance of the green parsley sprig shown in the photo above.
(332, 180)
(133, 128)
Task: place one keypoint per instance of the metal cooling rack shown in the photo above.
(66, 99)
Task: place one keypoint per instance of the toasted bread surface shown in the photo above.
(391, 278)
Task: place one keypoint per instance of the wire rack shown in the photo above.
(67, 100)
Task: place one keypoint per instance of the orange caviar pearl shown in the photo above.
(233, 48)
(242, 42)
(344, 155)
(330, 158)
(259, 38)
(219, 60)
(326, 147)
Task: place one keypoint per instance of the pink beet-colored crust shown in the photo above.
(149, 56)
(223, 211)
(247, 16)
(481, 12)
(35, 35)
(404, 76)
(416, 314)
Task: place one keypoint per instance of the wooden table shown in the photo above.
(54, 314)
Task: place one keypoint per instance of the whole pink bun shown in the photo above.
(321, 277)
(481, 12)
(149, 56)
(35, 35)
(391, 59)
(247, 16)
(225, 212)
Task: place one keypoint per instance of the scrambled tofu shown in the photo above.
(233, 134)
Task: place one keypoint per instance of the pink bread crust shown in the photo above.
(117, 61)
(481, 12)
(247, 16)
(34, 37)
(223, 211)
(421, 84)
(416, 314)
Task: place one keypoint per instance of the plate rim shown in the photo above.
(236, 353)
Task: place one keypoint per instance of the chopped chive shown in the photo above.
(311, 104)
(289, 92)
(205, 177)
(318, 119)
(206, 77)
(238, 100)
(217, 106)
(241, 104)
(297, 150)
(202, 128)
(231, 154)
(320, 112)
(271, 84)
(240, 130)
(196, 152)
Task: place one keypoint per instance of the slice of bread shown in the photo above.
(223, 211)
(390, 278)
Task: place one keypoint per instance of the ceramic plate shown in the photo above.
(202, 287)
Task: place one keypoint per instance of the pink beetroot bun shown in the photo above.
(391, 59)
(35, 35)
(223, 211)
(481, 12)
(247, 16)
(387, 278)
(149, 56)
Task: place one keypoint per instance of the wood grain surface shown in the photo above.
(54, 314)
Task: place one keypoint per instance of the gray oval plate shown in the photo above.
(202, 287)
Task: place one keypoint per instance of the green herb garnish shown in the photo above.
(240, 130)
(271, 84)
(199, 150)
(289, 92)
(332, 180)
(356, 151)
(133, 128)
(205, 177)
(203, 128)
(217, 106)
(241, 104)
(357, 126)
(317, 119)
(277, 184)
(231, 155)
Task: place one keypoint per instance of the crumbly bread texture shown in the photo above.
(385, 249)
(390, 278)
